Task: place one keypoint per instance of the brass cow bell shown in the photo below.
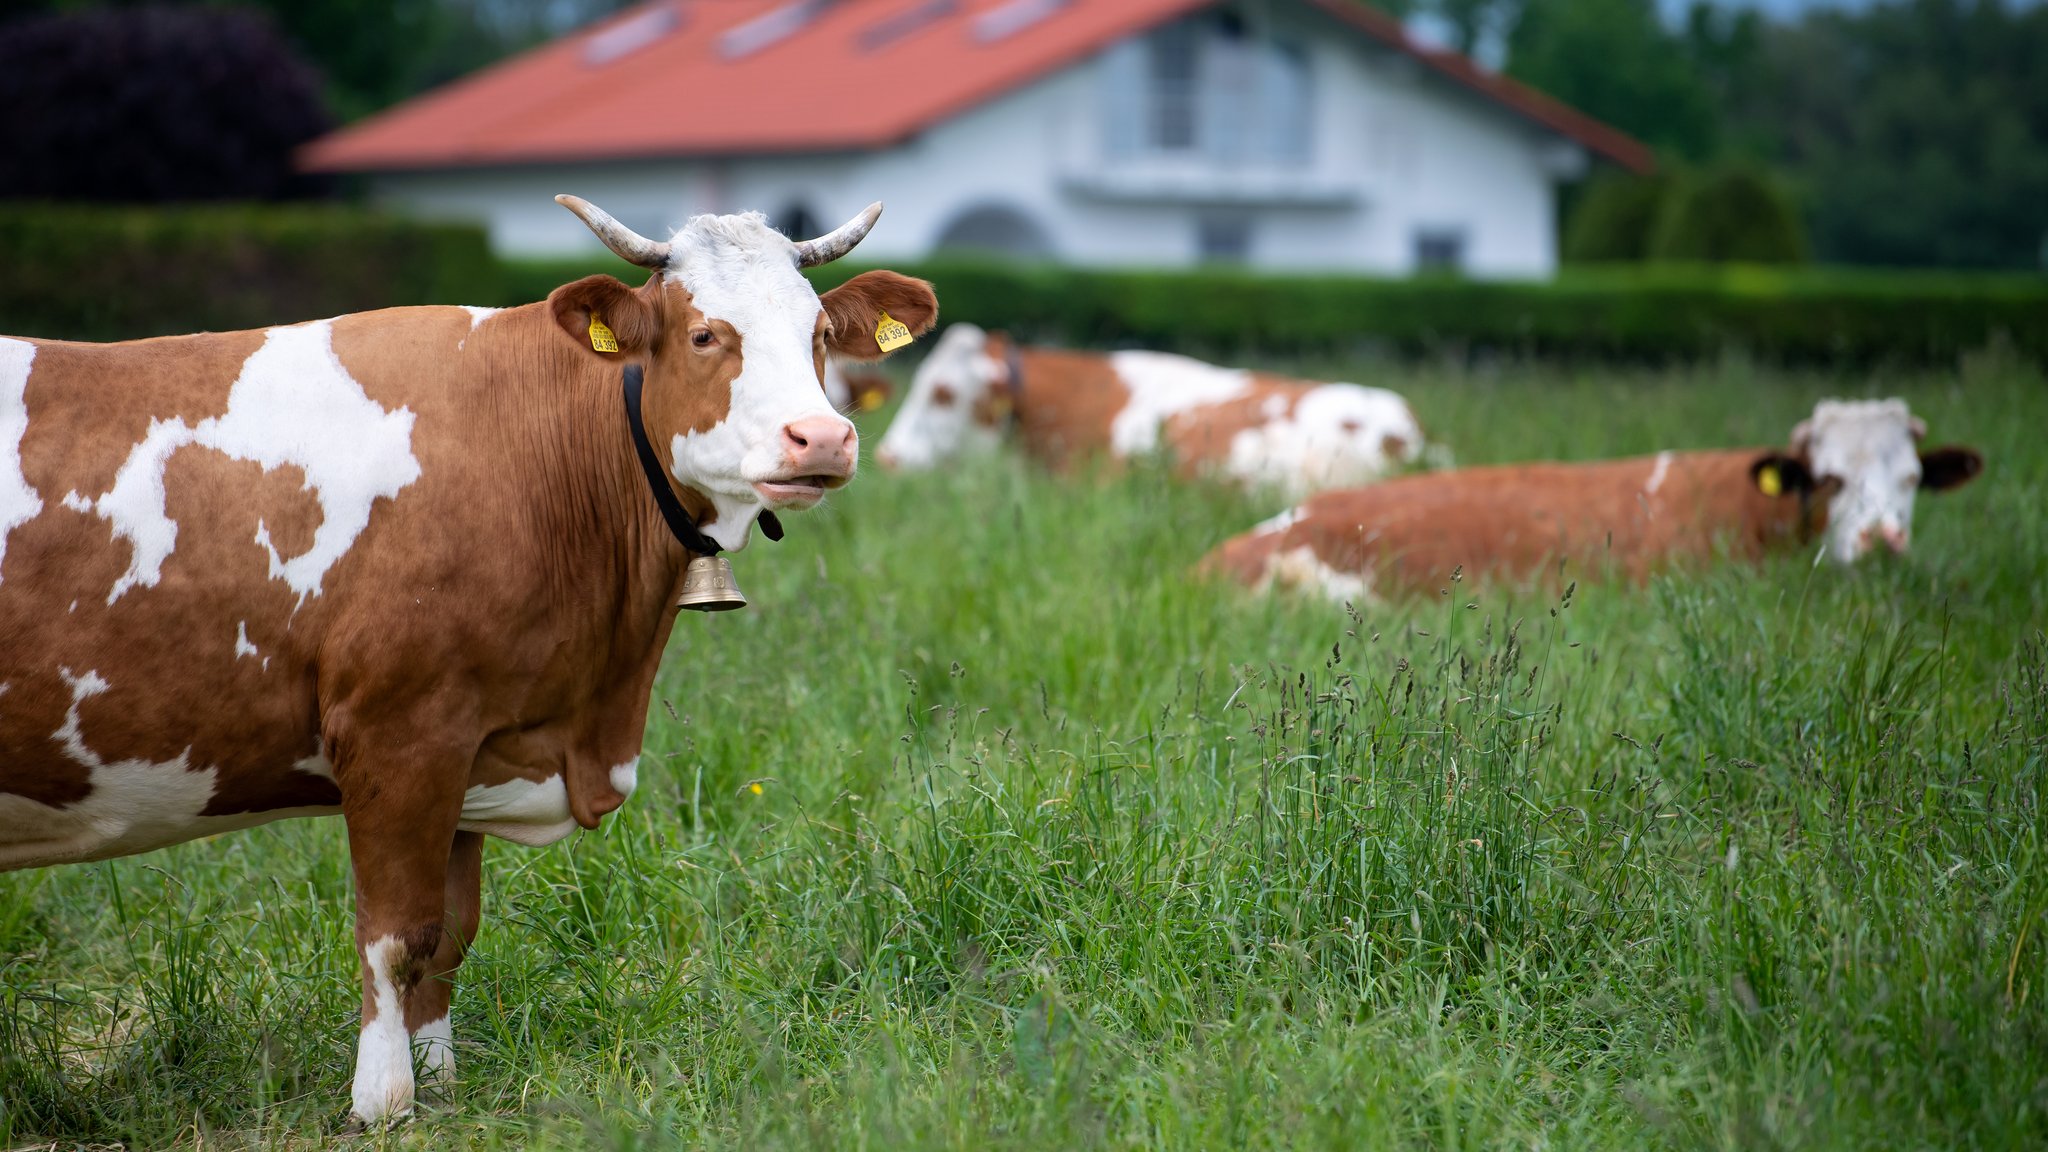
(708, 586)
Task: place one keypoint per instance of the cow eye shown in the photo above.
(703, 338)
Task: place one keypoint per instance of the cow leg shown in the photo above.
(426, 1013)
(401, 841)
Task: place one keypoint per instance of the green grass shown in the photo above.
(1055, 847)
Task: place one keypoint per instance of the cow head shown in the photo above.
(955, 403)
(1863, 457)
(733, 340)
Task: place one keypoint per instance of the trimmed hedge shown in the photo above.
(104, 274)
(1627, 312)
(92, 273)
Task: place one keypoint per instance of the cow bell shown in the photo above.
(708, 586)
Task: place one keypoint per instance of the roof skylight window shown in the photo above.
(630, 35)
(1006, 21)
(887, 32)
(770, 28)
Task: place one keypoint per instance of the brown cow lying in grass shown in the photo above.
(1850, 475)
(1259, 430)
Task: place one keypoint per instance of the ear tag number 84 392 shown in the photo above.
(891, 333)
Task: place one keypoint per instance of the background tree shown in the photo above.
(153, 103)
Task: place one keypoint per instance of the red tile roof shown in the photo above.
(713, 77)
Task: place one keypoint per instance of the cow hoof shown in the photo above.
(354, 1126)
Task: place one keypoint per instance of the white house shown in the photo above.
(1281, 134)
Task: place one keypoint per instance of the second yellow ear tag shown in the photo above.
(891, 333)
(871, 399)
(1768, 481)
(602, 339)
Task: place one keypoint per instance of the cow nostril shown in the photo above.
(797, 438)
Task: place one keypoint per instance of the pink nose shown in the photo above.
(820, 445)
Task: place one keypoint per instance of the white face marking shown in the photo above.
(478, 315)
(529, 812)
(295, 404)
(434, 1046)
(19, 503)
(134, 806)
(383, 1085)
(928, 430)
(1657, 474)
(1872, 447)
(1337, 437)
(1162, 385)
(242, 645)
(1301, 570)
(739, 270)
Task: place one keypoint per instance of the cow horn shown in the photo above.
(838, 242)
(631, 246)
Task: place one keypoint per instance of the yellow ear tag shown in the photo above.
(891, 333)
(871, 399)
(602, 339)
(1768, 481)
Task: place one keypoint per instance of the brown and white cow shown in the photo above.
(405, 566)
(1264, 432)
(1851, 475)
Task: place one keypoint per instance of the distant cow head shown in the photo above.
(955, 402)
(734, 341)
(1863, 457)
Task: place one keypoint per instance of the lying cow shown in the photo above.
(1262, 431)
(1851, 475)
(415, 567)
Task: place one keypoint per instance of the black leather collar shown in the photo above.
(673, 513)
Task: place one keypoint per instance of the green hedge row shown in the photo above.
(1637, 313)
(94, 273)
(1631, 312)
(102, 274)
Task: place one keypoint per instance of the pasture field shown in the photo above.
(988, 827)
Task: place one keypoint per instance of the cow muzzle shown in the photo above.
(819, 453)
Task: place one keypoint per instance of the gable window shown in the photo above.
(1440, 250)
(1211, 88)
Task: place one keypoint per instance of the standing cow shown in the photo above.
(408, 566)
(1851, 475)
(1262, 431)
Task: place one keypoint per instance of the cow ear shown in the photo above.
(1949, 466)
(1776, 474)
(626, 322)
(870, 390)
(857, 307)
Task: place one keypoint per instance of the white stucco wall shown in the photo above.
(1396, 150)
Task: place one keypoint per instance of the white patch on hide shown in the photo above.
(383, 1085)
(242, 645)
(1280, 523)
(293, 404)
(434, 1047)
(76, 503)
(739, 270)
(19, 503)
(530, 812)
(1301, 570)
(1162, 385)
(626, 777)
(479, 314)
(1657, 474)
(1336, 437)
(133, 806)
